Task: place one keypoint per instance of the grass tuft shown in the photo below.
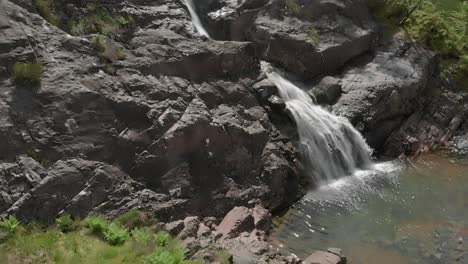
(27, 73)
(314, 37)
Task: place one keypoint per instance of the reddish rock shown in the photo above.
(238, 220)
(262, 218)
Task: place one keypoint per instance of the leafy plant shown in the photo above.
(116, 235)
(65, 223)
(27, 73)
(10, 224)
(97, 224)
(162, 238)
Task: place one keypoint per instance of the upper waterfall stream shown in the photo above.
(195, 19)
(330, 145)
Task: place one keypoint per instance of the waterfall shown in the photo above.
(195, 19)
(330, 145)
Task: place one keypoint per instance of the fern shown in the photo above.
(142, 236)
(115, 234)
(162, 238)
(10, 224)
(65, 223)
(97, 224)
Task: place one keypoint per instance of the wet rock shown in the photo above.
(325, 257)
(327, 91)
(276, 103)
(381, 93)
(265, 89)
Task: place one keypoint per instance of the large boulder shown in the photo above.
(381, 93)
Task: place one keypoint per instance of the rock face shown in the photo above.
(179, 137)
(185, 126)
(380, 94)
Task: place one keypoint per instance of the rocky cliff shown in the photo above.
(156, 117)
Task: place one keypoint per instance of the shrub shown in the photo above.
(96, 223)
(10, 224)
(162, 238)
(115, 234)
(65, 223)
(27, 73)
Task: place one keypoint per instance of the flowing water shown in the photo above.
(195, 19)
(392, 214)
(330, 146)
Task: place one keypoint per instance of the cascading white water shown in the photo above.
(195, 19)
(330, 145)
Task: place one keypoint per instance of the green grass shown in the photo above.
(94, 241)
(27, 73)
(439, 25)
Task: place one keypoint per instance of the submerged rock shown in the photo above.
(331, 256)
